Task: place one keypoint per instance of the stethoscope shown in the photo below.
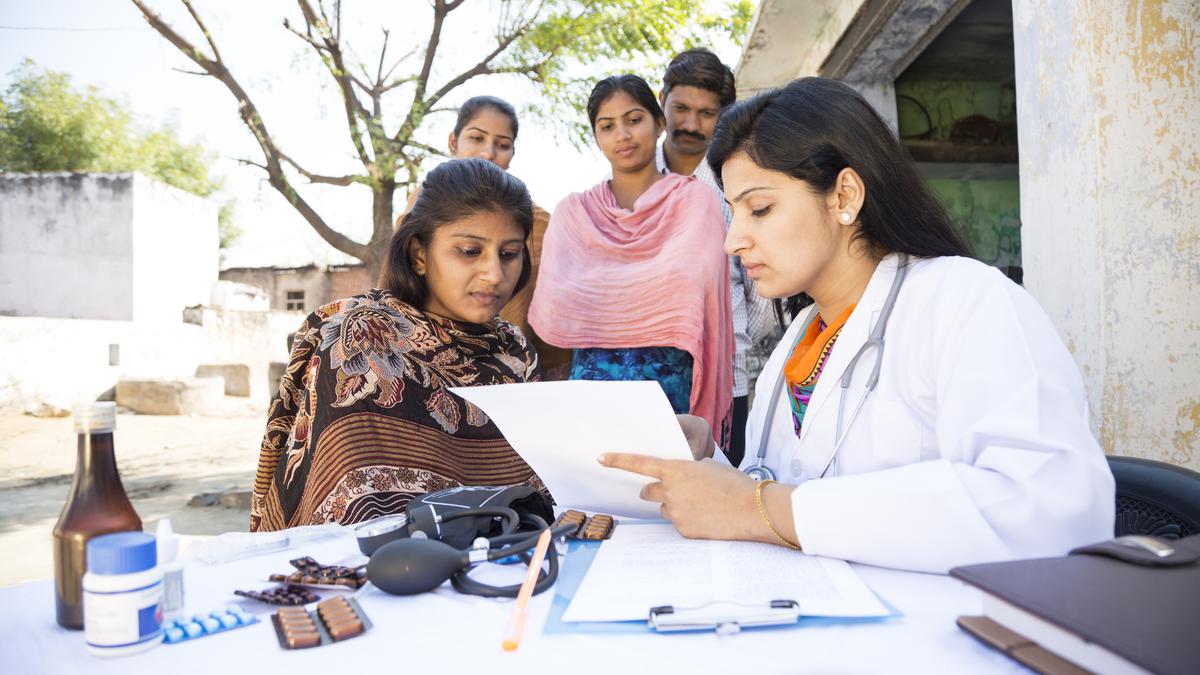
(759, 471)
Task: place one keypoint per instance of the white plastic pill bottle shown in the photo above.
(122, 594)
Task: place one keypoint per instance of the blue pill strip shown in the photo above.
(202, 625)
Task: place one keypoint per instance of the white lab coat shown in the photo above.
(973, 447)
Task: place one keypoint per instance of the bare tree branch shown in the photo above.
(421, 106)
(398, 82)
(185, 71)
(415, 112)
(306, 36)
(481, 68)
(349, 179)
(203, 29)
(248, 162)
(250, 116)
(427, 148)
(382, 56)
(331, 55)
(400, 60)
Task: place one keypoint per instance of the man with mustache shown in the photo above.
(696, 88)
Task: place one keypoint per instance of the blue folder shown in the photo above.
(580, 555)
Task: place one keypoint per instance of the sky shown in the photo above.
(106, 43)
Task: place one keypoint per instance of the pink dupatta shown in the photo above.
(655, 276)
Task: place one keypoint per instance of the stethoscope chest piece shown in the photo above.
(758, 473)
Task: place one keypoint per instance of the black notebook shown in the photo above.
(1111, 607)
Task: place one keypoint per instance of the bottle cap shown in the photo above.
(95, 416)
(121, 553)
(167, 541)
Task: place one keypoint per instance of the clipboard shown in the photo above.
(579, 556)
(726, 618)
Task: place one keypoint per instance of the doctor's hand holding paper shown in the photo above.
(920, 412)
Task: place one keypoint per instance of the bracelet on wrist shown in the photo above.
(762, 511)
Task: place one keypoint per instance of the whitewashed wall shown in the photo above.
(61, 361)
(1108, 107)
(176, 255)
(103, 246)
(66, 248)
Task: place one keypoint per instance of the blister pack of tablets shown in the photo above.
(333, 620)
(594, 527)
(211, 623)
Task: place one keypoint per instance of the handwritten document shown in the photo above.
(649, 565)
(559, 428)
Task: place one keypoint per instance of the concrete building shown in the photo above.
(303, 288)
(103, 246)
(1062, 134)
(104, 276)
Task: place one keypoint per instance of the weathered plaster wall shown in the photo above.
(988, 210)
(947, 101)
(989, 213)
(1108, 103)
(62, 361)
(276, 282)
(66, 245)
(790, 39)
(908, 29)
(321, 284)
(103, 246)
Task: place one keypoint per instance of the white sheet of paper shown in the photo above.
(560, 428)
(649, 565)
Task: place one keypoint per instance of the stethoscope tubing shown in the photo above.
(759, 471)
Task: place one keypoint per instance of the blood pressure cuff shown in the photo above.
(461, 532)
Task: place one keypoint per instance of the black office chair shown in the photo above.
(1155, 498)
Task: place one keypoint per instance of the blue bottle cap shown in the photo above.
(121, 553)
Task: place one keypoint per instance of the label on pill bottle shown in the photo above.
(124, 618)
(172, 594)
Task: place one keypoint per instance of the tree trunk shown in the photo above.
(382, 227)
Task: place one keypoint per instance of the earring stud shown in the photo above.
(845, 217)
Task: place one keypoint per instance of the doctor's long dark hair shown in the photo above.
(813, 128)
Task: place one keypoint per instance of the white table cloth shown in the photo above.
(445, 632)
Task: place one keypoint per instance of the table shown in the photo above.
(445, 632)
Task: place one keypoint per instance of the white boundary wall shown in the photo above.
(103, 246)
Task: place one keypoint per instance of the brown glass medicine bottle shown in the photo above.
(96, 505)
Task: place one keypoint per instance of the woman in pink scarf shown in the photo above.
(633, 275)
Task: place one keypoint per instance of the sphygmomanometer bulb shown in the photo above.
(411, 566)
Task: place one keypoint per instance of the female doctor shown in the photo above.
(920, 412)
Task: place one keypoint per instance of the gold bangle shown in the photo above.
(762, 511)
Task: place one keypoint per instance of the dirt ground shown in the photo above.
(164, 462)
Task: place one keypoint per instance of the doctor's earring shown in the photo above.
(845, 217)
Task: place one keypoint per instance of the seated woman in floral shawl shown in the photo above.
(363, 421)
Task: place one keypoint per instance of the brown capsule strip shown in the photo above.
(303, 639)
(341, 631)
(338, 615)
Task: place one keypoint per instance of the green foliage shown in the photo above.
(46, 124)
(226, 226)
(574, 43)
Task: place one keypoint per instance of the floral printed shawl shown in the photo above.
(363, 422)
